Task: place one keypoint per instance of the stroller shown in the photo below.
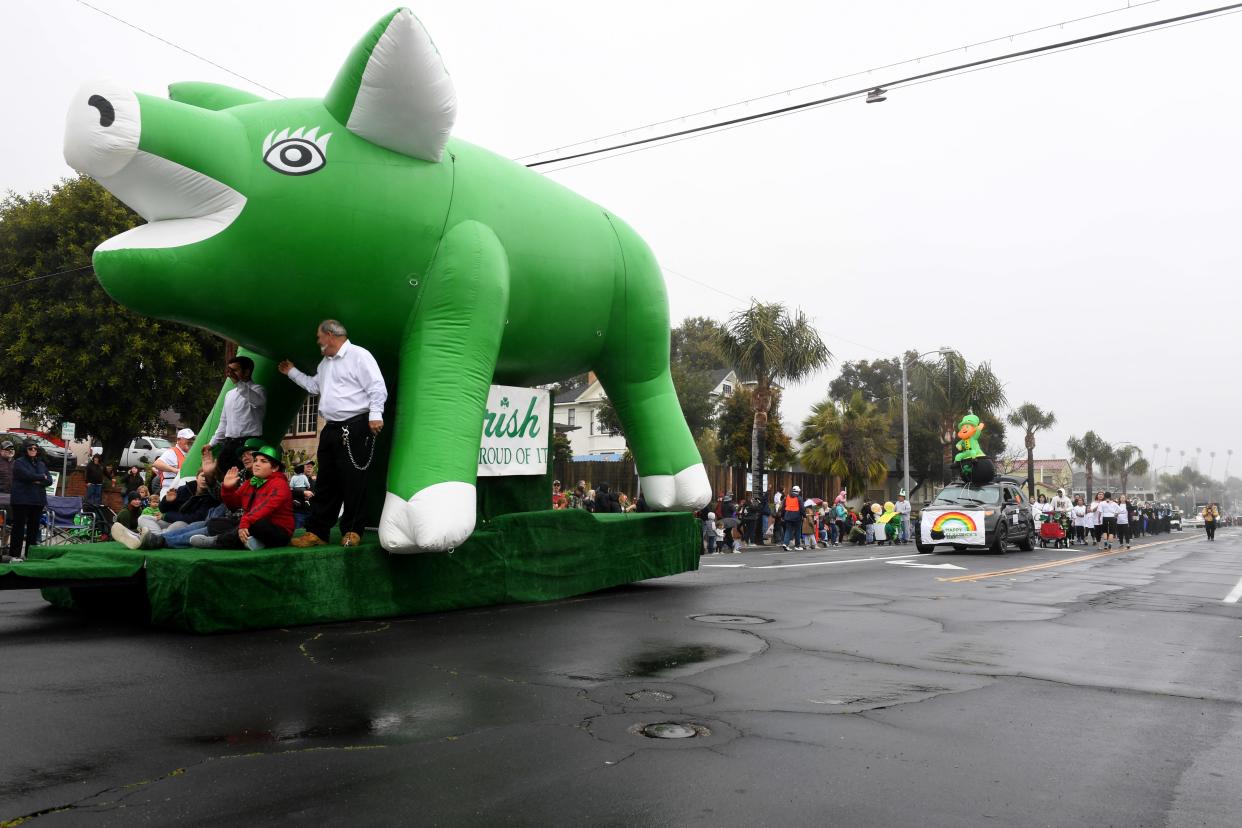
(1052, 529)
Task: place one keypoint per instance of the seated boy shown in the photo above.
(266, 503)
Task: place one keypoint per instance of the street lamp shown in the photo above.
(905, 414)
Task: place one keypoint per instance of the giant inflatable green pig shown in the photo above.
(456, 267)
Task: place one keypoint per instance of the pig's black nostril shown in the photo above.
(106, 113)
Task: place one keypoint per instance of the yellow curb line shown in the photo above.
(961, 579)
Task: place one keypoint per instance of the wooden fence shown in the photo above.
(620, 477)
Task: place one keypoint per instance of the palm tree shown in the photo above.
(766, 343)
(851, 440)
(1195, 480)
(1088, 451)
(1174, 484)
(1031, 418)
(950, 388)
(1128, 460)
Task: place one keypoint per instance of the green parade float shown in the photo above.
(457, 268)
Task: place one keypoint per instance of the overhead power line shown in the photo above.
(168, 42)
(792, 89)
(910, 80)
(21, 282)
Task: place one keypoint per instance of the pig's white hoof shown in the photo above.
(687, 490)
(436, 519)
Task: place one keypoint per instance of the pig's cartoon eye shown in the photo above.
(296, 154)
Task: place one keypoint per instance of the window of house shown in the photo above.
(307, 419)
(728, 389)
(572, 412)
(591, 423)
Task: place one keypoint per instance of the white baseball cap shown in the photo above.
(187, 433)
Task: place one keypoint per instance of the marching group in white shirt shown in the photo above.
(1106, 521)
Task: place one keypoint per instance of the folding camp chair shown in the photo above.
(66, 522)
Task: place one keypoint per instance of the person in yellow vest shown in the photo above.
(1211, 513)
(170, 462)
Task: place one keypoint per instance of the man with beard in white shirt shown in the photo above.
(352, 394)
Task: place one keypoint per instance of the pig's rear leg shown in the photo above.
(634, 371)
(448, 355)
(669, 466)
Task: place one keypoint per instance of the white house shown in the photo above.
(580, 406)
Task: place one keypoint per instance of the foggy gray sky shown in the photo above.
(1071, 218)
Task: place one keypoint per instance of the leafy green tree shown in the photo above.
(1031, 418)
(734, 429)
(561, 451)
(1089, 452)
(67, 351)
(850, 440)
(693, 345)
(769, 344)
(878, 380)
(949, 388)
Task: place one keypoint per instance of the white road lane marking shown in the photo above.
(1235, 593)
(918, 565)
(811, 563)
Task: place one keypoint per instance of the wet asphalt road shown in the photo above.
(1101, 692)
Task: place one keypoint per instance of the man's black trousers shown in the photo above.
(341, 482)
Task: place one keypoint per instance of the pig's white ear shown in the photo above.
(394, 90)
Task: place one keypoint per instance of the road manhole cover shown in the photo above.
(672, 730)
(650, 696)
(730, 618)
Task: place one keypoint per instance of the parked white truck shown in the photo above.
(143, 450)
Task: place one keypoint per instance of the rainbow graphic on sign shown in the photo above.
(954, 521)
(953, 526)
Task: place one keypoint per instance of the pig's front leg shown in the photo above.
(447, 358)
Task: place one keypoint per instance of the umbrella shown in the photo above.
(814, 501)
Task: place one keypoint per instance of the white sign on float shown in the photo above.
(964, 526)
(515, 432)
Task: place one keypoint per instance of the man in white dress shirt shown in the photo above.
(902, 508)
(352, 394)
(241, 417)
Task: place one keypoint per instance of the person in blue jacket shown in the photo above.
(28, 500)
